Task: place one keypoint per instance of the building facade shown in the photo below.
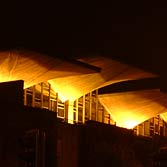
(85, 108)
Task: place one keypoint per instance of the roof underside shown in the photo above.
(129, 109)
(73, 79)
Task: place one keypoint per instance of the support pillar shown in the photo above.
(70, 112)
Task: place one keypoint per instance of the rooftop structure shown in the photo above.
(128, 94)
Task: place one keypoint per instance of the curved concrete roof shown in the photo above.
(73, 79)
(111, 72)
(129, 109)
(34, 68)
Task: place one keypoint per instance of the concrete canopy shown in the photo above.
(136, 35)
(129, 109)
(34, 68)
(69, 78)
(73, 79)
(111, 72)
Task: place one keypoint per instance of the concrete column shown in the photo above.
(70, 112)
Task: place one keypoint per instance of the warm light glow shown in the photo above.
(62, 98)
(66, 92)
(35, 68)
(74, 86)
(130, 124)
(71, 81)
(70, 112)
(125, 119)
(164, 116)
(132, 108)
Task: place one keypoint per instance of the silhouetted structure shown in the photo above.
(35, 137)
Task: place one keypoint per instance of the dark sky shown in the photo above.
(132, 31)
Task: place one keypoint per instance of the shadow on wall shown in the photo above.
(106, 145)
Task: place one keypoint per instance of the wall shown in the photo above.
(16, 119)
(107, 145)
(67, 145)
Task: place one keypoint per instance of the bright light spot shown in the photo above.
(163, 116)
(62, 98)
(65, 92)
(130, 124)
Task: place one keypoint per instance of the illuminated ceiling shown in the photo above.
(73, 87)
(129, 109)
(34, 68)
(73, 79)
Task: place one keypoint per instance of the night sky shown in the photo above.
(130, 31)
